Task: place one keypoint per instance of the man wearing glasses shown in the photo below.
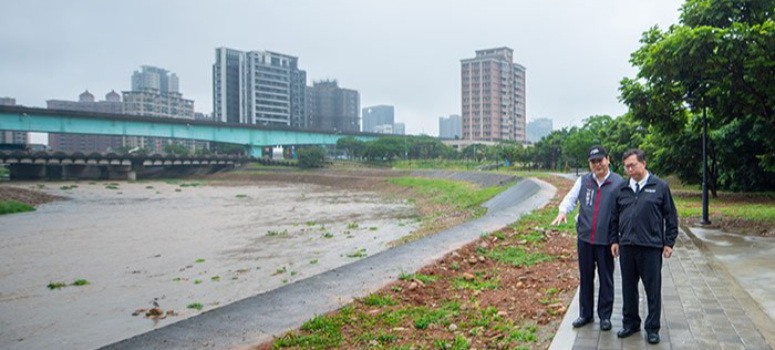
(596, 193)
(644, 227)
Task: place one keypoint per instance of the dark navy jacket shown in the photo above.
(595, 207)
(648, 218)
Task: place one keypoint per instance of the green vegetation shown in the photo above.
(111, 186)
(461, 195)
(241, 196)
(56, 285)
(358, 253)
(517, 256)
(11, 207)
(67, 188)
(197, 306)
(379, 300)
(328, 235)
(420, 277)
(81, 282)
(276, 233)
(311, 157)
(479, 282)
(313, 261)
(352, 226)
(197, 281)
(280, 271)
(215, 278)
(199, 261)
(691, 206)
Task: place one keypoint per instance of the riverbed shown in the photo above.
(181, 247)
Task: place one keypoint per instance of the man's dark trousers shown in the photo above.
(591, 255)
(641, 263)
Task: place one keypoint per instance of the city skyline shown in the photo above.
(575, 54)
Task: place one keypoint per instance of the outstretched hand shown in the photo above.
(561, 217)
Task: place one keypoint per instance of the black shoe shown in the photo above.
(626, 332)
(653, 338)
(581, 321)
(605, 325)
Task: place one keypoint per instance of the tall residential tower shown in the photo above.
(493, 96)
(258, 87)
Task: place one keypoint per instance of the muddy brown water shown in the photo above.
(154, 242)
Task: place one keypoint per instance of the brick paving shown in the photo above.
(699, 311)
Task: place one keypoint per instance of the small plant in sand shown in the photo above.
(197, 306)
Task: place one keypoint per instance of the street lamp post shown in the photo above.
(705, 220)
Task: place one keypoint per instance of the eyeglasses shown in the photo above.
(631, 165)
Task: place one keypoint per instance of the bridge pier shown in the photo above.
(28, 171)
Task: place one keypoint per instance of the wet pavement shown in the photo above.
(704, 306)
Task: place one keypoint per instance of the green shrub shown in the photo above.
(10, 207)
(311, 157)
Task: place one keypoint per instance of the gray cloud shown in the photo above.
(404, 53)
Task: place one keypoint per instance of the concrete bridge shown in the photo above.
(255, 137)
(76, 165)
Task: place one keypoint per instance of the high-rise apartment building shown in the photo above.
(12, 136)
(83, 142)
(375, 116)
(258, 87)
(155, 93)
(538, 128)
(450, 127)
(493, 96)
(332, 108)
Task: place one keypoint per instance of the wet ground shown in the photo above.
(175, 245)
(750, 260)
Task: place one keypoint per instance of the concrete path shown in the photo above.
(703, 308)
(257, 319)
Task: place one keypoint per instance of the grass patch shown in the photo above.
(313, 261)
(197, 306)
(325, 333)
(111, 187)
(199, 261)
(328, 235)
(241, 196)
(460, 195)
(279, 271)
(81, 282)
(56, 285)
(420, 277)
(352, 226)
(691, 206)
(479, 282)
(517, 256)
(276, 233)
(378, 299)
(358, 253)
(11, 207)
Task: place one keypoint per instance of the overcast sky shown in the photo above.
(404, 53)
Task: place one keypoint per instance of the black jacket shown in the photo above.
(595, 207)
(648, 218)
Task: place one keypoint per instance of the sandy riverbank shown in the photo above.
(175, 245)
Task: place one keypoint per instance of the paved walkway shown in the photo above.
(703, 308)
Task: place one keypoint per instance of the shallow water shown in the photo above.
(155, 242)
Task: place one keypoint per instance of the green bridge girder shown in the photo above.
(16, 118)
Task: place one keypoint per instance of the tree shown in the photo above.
(719, 60)
(311, 157)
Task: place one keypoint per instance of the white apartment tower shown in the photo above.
(258, 87)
